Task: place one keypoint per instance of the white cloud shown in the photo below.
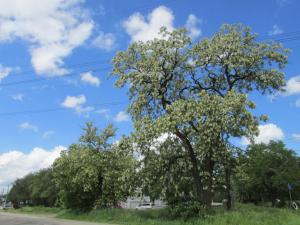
(16, 164)
(122, 117)
(191, 26)
(292, 86)
(4, 71)
(18, 97)
(53, 28)
(89, 78)
(143, 29)
(296, 137)
(28, 126)
(105, 41)
(276, 30)
(267, 133)
(47, 134)
(76, 103)
(157, 142)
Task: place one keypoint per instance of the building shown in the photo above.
(133, 202)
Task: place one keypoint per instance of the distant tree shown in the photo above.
(43, 189)
(20, 192)
(265, 171)
(197, 92)
(34, 189)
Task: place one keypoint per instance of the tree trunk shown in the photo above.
(195, 168)
(228, 189)
(208, 169)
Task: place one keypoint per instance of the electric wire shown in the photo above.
(46, 110)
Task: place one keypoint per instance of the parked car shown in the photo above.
(144, 206)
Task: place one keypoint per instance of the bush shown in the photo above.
(187, 210)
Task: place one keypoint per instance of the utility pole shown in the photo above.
(6, 194)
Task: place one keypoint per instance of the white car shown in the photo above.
(144, 206)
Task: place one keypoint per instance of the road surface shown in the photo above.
(20, 219)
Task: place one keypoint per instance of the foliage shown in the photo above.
(187, 210)
(165, 173)
(78, 174)
(197, 94)
(44, 191)
(120, 178)
(34, 189)
(265, 171)
(95, 173)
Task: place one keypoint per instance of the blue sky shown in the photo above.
(54, 61)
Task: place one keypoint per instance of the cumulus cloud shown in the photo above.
(77, 103)
(143, 29)
(89, 78)
(28, 126)
(4, 71)
(18, 97)
(267, 133)
(122, 117)
(53, 28)
(276, 30)
(292, 86)
(192, 26)
(74, 101)
(16, 164)
(104, 41)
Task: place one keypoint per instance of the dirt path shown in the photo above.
(21, 219)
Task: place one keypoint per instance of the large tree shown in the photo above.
(197, 92)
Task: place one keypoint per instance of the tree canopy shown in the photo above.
(264, 172)
(95, 172)
(197, 92)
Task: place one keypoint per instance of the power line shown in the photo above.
(287, 37)
(285, 34)
(48, 78)
(72, 66)
(39, 111)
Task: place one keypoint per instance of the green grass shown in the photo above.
(242, 215)
(36, 210)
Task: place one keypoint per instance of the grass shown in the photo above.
(36, 210)
(242, 215)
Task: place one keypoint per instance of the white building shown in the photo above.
(133, 202)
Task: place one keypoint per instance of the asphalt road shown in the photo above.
(20, 219)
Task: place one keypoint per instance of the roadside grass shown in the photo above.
(241, 215)
(36, 210)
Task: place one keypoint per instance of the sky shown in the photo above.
(55, 65)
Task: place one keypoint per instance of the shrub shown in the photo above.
(187, 210)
